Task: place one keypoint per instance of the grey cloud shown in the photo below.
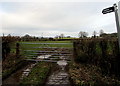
(62, 17)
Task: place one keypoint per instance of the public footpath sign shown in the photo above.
(108, 10)
(116, 9)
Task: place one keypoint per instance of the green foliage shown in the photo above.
(5, 49)
(101, 52)
(82, 57)
(8, 46)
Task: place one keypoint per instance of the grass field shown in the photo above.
(39, 45)
(27, 46)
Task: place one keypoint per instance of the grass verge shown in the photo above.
(38, 74)
(90, 75)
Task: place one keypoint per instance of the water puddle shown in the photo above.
(59, 78)
(62, 63)
(43, 56)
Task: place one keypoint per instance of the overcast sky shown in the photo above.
(54, 18)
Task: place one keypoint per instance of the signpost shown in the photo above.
(119, 22)
(115, 9)
(108, 10)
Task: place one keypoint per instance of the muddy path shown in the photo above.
(59, 77)
(57, 73)
(14, 79)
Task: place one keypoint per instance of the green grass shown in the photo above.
(38, 74)
(46, 42)
(35, 46)
(13, 47)
(27, 46)
(98, 49)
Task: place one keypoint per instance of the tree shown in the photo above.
(9, 35)
(82, 34)
(85, 34)
(26, 38)
(56, 36)
(94, 34)
(101, 32)
(61, 35)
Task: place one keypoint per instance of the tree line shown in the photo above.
(101, 33)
